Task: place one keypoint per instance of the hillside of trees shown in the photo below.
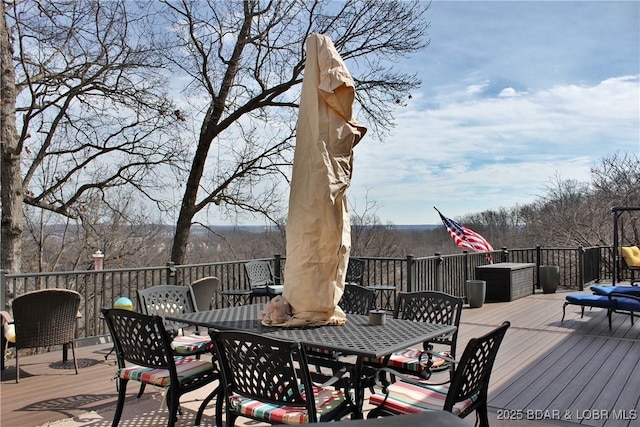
(567, 213)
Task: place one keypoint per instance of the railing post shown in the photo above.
(410, 275)
(505, 254)
(538, 262)
(439, 278)
(98, 260)
(171, 273)
(277, 260)
(581, 252)
(465, 267)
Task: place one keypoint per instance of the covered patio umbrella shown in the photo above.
(318, 225)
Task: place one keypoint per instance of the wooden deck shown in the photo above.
(553, 373)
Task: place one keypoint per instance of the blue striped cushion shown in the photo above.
(326, 399)
(405, 398)
(185, 367)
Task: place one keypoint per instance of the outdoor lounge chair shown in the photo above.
(624, 303)
(268, 379)
(144, 354)
(466, 393)
(607, 290)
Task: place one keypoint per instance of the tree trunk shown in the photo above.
(10, 171)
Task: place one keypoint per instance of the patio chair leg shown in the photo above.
(142, 385)
(75, 360)
(483, 417)
(217, 393)
(17, 367)
(122, 391)
(173, 403)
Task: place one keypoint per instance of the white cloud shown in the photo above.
(507, 92)
(484, 153)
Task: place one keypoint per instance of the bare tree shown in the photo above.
(89, 93)
(369, 236)
(571, 212)
(10, 171)
(244, 61)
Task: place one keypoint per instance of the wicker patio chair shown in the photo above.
(268, 379)
(144, 354)
(433, 307)
(205, 291)
(466, 393)
(45, 318)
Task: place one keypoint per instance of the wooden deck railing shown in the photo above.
(448, 273)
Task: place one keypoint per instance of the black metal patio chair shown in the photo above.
(466, 393)
(166, 300)
(144, 354)
(356, 299)
(355, 271)
(268, 379)
(436, 355)
(262, 281)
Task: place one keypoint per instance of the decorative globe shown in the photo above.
(123, 303)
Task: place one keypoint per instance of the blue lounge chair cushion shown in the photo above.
(606, 290)
(628, 304)
(601, 301)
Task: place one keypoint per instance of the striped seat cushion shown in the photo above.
(405, 398)
(415, 360)
(185, 367)
(190, 344)
(327, 400)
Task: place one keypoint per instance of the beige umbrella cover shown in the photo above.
(318, 225)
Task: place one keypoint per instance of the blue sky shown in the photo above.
(513, 94)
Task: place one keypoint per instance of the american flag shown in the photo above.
(465, 237)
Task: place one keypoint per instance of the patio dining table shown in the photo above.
(356, 337)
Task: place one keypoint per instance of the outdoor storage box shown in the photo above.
(506, 281)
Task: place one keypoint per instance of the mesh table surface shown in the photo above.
(356, 337)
